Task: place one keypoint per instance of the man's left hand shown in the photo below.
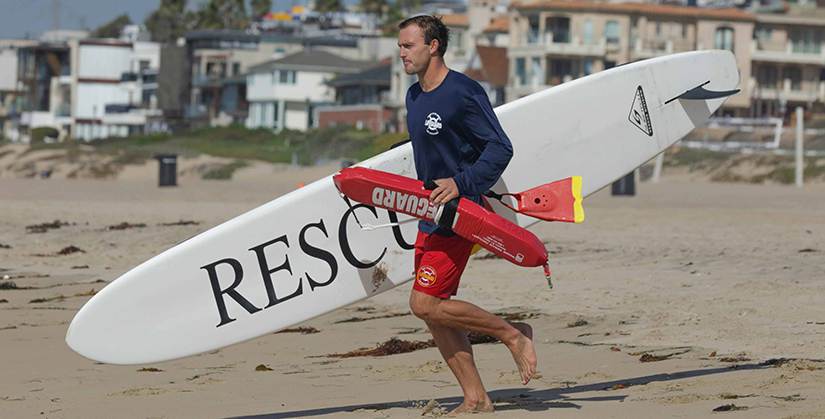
(446, 191)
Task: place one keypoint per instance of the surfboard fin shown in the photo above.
(557, 201)
(700, 93)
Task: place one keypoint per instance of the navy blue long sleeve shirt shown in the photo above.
(455, 134)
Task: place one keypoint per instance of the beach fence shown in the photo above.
(753, 125)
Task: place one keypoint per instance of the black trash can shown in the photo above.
(168, 175)
(625, 186)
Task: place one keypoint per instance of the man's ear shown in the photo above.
(434, 47)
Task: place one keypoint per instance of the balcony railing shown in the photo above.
(126, 77)
(786, 53)
(63, 111)
(118, 108)
(786, 89)
(194, 111)
(201, 79)
(551, 45)
(648, 48)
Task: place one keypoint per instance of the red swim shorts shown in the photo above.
(439, 263)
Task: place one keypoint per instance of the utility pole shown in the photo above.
(800, 164)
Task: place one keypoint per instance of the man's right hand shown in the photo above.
(446, 191)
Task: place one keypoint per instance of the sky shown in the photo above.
(21, 17)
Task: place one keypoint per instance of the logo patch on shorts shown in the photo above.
(426, 276)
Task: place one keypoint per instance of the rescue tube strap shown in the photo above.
(447, 214)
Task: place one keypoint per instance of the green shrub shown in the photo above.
(39, 134)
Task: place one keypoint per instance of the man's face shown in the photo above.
(415, 54)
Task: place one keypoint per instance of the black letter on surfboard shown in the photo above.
(267, 273)
(342, 238)
(396, 232)
(216, 288)
(318, 254)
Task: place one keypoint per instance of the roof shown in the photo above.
(222, 34)
(638, 8)
(493, 66)
(494, 63)
(327, 40)
(313, 60)
(227, 35)
(795, 15)
(476, 74)
(456, 19)
(499, 24)
(377, 76)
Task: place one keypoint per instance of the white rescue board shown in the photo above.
(302, 255)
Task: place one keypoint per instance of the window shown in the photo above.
(533, 31)
(658, 28)
(762, 33)
(275, 114)
(144, 64)
(262, 122)
(588, 31)
(287, 77)
(684, 31)
(521, 72)
(794, 74)
(767, 77)
(535, 74)
(146, 97)
(611, 32)
(273, 76)
(724, 39)
(559, 69)
(588, 67)
(807, 41)
(236, 69)
(559, 27)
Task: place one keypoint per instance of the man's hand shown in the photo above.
(445, 192)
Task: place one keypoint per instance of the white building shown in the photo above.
(9, 89)
(283, 93)
(115, 86)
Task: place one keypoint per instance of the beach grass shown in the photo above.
(235, 142)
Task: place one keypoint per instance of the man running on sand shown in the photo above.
(458, 143)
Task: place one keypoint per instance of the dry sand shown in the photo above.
(723, 278)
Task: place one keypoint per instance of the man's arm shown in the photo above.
(485, 129)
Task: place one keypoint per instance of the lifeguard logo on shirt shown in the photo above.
(426, 276)
(433, 123)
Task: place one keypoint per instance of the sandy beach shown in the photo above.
(719, 286)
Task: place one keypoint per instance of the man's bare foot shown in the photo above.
(480, 407)
(523, 352)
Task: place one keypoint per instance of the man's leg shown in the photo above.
(456, 350)
(465, 316)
